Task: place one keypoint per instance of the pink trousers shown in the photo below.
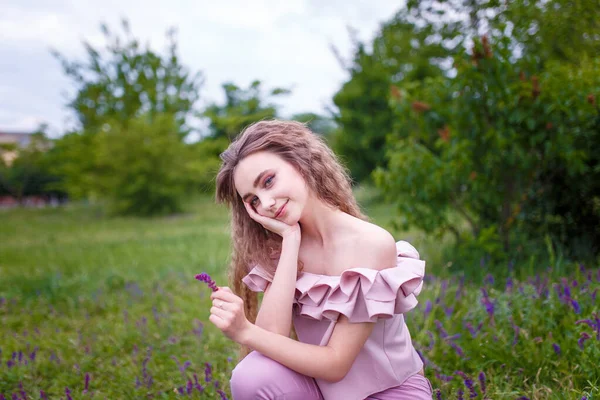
(259, 377)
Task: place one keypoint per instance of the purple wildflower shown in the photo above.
(584, 336)
(207, 372)
(68, 393)
(509, 284)
(556, 348)
(87, 383)
(469, 384)
(444, 378)
(460, 394)
(43, 395)
(204, 277)
(222, 394)
(438, 394)
(428, 307)
(440, 327)
(576, 307)
(482, 381)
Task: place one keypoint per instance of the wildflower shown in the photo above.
(204, 277)
(482, 381)
(222, 394)
(471, 387)
(87, 383)
(68, 393)
(584, 336)
(438, 394)
(576, 307)
(207, 372)
(428, 307)
(460, 395)
(556, 348)
(440, 327)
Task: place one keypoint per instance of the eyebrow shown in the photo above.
(256, 181)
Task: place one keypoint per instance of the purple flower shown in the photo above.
(222, 394)
(438, 394)
(460, 394)
(428, 307)
(204, 277)
(509, 284)
(207, 372)
(584, 336)
(576, 307)
(556, 348)
(482, 381)
(471, 387)
(87, 383)
(43, 395)
(440, 327)
(68, 393)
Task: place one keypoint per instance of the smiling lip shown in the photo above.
(281, 209)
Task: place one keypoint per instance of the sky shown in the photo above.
(282, 43)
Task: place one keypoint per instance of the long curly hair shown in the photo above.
(317, 164)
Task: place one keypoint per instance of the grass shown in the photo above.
(113, 302)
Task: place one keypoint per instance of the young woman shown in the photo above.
(344, 283)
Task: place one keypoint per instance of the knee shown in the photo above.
(253, 374)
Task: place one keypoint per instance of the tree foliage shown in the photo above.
(125, 80)
(487, 149)
(241, 108)
(399, 53)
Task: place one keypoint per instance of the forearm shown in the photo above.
(275, 312)
(319, 362)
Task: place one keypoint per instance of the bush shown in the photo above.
(479, 155)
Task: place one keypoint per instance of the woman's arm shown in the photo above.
(330, 363)
(275, 313)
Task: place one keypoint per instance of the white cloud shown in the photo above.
(283, 43)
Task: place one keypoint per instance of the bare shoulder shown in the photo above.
(376, 247)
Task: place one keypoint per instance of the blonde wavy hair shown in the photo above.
(317, 164)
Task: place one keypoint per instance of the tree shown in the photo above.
(319, 124)
(241, 108)
(485, 149)
(560, 30)
(30, 172)
(126, 80)
(144, 165)
(399, 53)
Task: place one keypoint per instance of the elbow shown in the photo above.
(336, 373)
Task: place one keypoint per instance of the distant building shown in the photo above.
(10, 139)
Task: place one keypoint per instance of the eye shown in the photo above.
(254, 201)
(269, 181)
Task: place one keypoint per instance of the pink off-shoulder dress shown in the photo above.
(388, 357)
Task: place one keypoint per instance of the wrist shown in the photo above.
(291, 236)
(247, 334)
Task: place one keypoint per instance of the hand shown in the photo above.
(227, 314)
(274, 225)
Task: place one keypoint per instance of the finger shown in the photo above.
(254, 215)
(217, 321)
(223, 314)
(225, 288)
(227, 296)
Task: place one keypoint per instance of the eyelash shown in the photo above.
(269, 179)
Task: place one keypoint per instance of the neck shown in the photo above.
(320, 221)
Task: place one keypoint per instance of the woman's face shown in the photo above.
(272, 186)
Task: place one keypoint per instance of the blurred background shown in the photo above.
(470, 128)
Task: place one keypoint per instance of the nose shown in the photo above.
(268, 204)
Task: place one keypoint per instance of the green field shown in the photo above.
(114, 300)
